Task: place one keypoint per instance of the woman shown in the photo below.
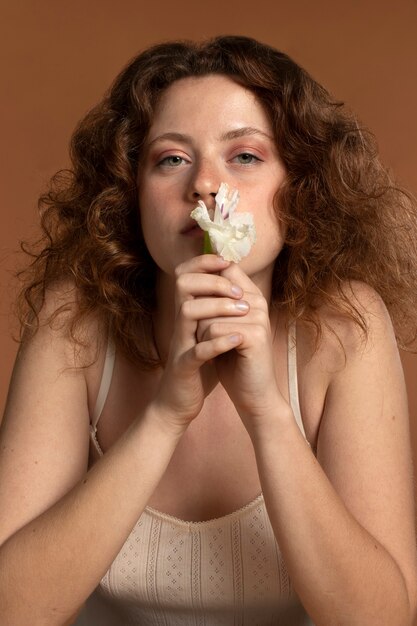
(235, 475)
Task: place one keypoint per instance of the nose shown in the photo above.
(204, 184)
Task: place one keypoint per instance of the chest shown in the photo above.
(213, 572)
(213, 470)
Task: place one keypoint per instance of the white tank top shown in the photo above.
(220, 572)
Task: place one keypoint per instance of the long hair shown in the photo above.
(346, 219)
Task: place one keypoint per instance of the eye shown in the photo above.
(246, 158)
(172, 160)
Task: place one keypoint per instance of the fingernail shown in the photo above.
(241, 306)
(234, 338)
(236, 290)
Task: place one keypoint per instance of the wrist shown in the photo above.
(158, 419)
(271, 425)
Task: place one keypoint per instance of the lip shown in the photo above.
(193, 230)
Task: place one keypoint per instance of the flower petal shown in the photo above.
(201, 215)
(231, 234)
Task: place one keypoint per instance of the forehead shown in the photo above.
(208, 103)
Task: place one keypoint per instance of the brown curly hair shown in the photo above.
(346, 219)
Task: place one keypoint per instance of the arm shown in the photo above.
(65, 525)
(345, 522)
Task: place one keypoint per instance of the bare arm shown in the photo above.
(345, 522)
(65, 525)
(61, 526)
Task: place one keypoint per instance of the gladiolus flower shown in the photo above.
(231, 234)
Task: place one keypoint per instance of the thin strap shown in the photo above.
(105, 382)
(292, 378)
(292, 375)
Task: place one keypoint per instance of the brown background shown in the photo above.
(57, 58)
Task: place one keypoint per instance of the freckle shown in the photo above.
(376, 547)
(36, 462)
(393, 418)
(85, 480)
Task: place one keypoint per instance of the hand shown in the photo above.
(189, 375)
(247, 372)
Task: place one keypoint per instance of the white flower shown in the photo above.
(231, 234)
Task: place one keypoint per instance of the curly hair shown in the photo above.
(346, 219)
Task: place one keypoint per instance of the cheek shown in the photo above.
(265, 215)
(152, 210)
(270, 240)
(157, 223)
(270, 232)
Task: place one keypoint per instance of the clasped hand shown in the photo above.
(222, 326)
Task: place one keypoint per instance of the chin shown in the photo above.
(253, 265)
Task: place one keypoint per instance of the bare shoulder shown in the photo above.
(44, 432)
(342, 348)
(80, 348)
(344, 339)
(365, 386)
(60, 307)
(363, 440)
(366, 394)
(371, 311)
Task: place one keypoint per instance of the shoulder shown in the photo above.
(363, 442)
(366, 381)
(355, 324)
(66, 339)
(45, 427)
(63, 323)
(367, 303)
(345, 352)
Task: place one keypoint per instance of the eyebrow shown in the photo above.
(242, 132)
(231, 134)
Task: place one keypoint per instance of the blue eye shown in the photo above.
(245, 158)
(172, 161)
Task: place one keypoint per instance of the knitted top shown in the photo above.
(220, 572)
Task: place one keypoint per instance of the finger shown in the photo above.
(205, 308)
(202, 264)
(252, 334)
(192, 285)
(236, 275)
(207, 350)
(193, 311)
(254, 317)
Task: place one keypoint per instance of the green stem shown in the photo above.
(207, 249)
